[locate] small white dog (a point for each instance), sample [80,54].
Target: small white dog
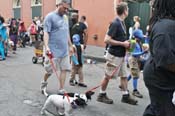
[10,45]
[65,103]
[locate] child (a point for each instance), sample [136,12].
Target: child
[134,59]
[77,62]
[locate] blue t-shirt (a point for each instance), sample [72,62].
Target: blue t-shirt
[58,29]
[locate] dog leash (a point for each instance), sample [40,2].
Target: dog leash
[67,97]
[50,56]
[113,72]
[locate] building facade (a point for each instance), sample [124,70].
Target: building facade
[26,9]
[99,13]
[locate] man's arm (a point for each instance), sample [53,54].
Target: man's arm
[46,41]
[110,41]
[85,38]
[70,46]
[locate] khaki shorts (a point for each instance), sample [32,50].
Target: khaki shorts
[134,67]
[59,63]
[115,64]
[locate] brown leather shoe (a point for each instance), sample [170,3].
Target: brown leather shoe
[129,100]
[102,97]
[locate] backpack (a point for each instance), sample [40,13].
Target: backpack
[33,30]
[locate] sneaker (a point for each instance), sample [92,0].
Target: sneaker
[82,85]
[61,92]
[137,94]
[71,82]
[43,87]
[102,97]
[128,99]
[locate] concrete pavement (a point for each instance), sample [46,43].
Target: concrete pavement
[95,53]
[20,88]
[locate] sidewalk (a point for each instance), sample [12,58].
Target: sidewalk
[94,53]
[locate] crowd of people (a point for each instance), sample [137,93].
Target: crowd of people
[15,34]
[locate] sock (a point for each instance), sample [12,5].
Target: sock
[101,91]
[125,92]
[129,78]
[62,91]
[135,80]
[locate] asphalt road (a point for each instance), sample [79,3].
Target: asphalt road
[20,89]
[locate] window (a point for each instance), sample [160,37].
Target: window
[16,3]
[36,3]
[57,1]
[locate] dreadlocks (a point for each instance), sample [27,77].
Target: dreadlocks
[162,9]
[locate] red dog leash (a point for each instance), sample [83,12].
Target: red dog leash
[113,72]
[50,56]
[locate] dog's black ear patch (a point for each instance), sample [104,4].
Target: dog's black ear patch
[80,102]
[89,94]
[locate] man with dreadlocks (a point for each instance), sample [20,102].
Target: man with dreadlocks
[159,71]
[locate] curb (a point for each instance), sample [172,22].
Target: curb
[98,59]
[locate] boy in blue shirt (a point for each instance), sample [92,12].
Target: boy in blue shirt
[77,62]
[134,59]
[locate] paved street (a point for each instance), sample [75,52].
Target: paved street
[20,89]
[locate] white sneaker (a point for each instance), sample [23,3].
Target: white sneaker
[43,85]
[61,91]
[43,88]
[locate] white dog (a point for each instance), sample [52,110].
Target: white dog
[65,103]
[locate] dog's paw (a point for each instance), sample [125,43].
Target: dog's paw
[61,114]
[43,113]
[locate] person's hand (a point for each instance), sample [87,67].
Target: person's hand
[49,53]
[47,50]
[84,46]
[126,44]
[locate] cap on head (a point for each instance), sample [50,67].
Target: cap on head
[138,33]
